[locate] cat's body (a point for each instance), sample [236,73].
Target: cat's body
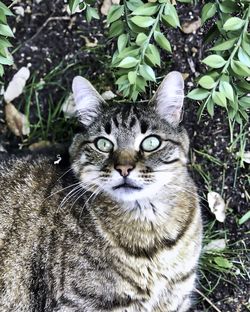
[126,239]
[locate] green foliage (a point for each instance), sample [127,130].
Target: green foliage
[137,27]
[86,6]
[228,66]
[5,32]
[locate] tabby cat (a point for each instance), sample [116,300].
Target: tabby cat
[122,232]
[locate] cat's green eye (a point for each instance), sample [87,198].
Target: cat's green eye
[104,145]
[151,143]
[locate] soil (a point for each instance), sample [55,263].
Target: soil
[47,37]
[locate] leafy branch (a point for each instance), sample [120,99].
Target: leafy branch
[5,32]
[138,28]
[224,84]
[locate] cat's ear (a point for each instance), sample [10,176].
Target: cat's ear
[168,99]
[87,100]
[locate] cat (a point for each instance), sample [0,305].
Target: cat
[122,230]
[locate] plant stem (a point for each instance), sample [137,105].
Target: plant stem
[147,42]
[225,67]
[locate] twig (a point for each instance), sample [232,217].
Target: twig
[206,298]
[51,18]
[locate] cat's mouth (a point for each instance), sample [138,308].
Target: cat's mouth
[126,185]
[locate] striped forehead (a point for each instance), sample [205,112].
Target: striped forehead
[127,120]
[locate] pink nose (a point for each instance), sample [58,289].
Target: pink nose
[124,170]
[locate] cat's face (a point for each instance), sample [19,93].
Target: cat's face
[129,151]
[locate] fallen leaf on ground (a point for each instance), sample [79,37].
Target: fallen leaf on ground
[107,4]
[217,206]
[215,245]
[246,157]
[90,44]
[191,27]
[69,107]
[16,85]
[39,145]
[108,95]
[16,121]
[2,149]
[19,10]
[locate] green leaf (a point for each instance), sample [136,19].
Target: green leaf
[73,4]
[198,94]
[132,77]
[116,29]
[210,107]
[5,61]
[5,9]
[233,23]
[214,61]
[226,45]
[208,11]
[223,262]
[170,15]
[147,9]
[228,7]
[134,4]
[129,51]
[6,31]
[227,90]
[240,69]
[143,21]
[152,55]
[1,70]
[4,43]
[115,12]
[3,18]
[244,85]
[244,57]
[147,72]
[128,62]
[121,79]
[141,38]
[246,44]
[140,84]
[91,13]
[245,102]
[244,218]
[122,42]
[162,41]
[219,98]
[207,82]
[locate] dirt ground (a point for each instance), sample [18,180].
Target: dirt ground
[47,37]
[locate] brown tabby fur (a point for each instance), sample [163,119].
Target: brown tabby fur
[96,253]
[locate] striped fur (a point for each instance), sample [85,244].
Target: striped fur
[75,243]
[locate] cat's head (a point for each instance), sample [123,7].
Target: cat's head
[130,151]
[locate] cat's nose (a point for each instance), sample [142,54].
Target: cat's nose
[124,170]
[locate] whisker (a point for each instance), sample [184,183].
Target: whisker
[71,185]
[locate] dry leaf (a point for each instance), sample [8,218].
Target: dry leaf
[16,121]
[107,4]
[108,95]
[2,149]
[19,10]
[216,245]
[246,157]
[69,107]
[217,205]
[39,145]
[191,27]
[90,44]
[16,85]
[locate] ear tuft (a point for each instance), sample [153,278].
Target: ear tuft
[169,98]
[87,100]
